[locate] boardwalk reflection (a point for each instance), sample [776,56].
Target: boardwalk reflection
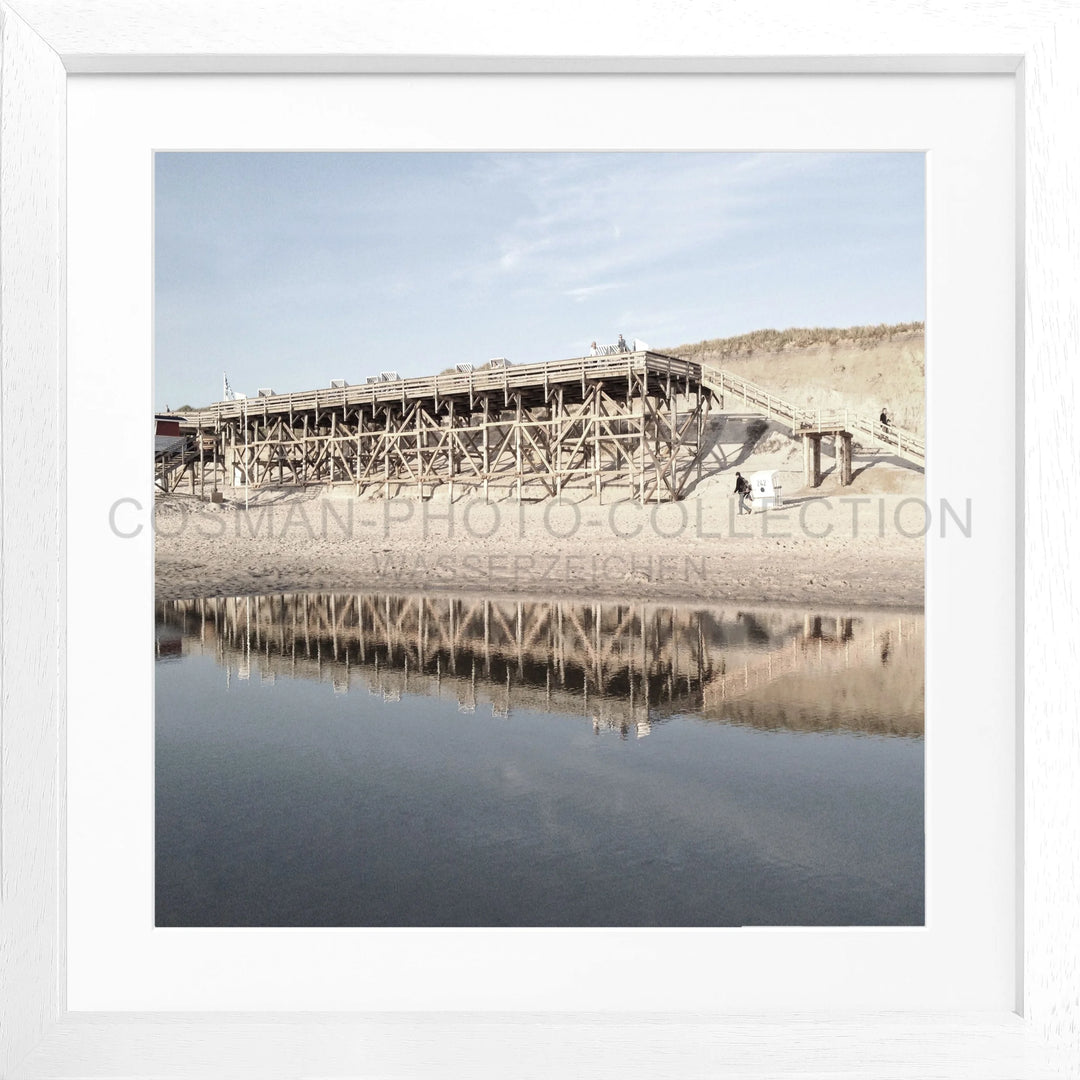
[624,666]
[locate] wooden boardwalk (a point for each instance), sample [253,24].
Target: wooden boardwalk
[631,420]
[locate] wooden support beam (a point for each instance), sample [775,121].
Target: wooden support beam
[486,435]
[359,434]
[843,454]
[517,445]
[386,457]
[559,434]
[673,442]
[452,452]
[333,441]
[596,441]
[811,459]
[420,470]
[641,445]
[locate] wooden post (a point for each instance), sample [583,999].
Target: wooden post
[304,454]
[641,439]
[386,457]
[812,459]
[452,456]
[596,441]
[517,442]
[674,443]
[419,450]
[700,434]
[486,444]
[241,449]
[333,442]
[843,453]
[656,457]
[228,464]
[558,433]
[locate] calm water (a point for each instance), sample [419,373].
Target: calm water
[380,760]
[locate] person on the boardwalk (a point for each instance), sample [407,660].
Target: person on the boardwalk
[742,489]
[622,344]
[884,419]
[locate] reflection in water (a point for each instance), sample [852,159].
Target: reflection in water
[625,666]
[283,804]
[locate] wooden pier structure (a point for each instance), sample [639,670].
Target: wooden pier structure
[623,666]
[634,422]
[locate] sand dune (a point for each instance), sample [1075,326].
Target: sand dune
[863,374]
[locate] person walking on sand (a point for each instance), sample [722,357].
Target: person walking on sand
[742,489]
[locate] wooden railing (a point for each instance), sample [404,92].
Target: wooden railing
[906,443]
[456,384]
[762,400]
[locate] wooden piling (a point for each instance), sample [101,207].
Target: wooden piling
[812,459]
[843,454]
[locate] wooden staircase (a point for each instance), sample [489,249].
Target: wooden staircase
[904,444]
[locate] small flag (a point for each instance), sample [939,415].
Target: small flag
[230,393]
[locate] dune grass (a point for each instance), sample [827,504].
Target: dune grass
[797,338]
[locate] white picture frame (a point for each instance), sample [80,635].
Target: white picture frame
[40,44]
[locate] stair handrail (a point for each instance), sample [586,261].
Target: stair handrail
[889,435]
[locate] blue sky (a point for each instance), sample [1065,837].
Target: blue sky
[289,270]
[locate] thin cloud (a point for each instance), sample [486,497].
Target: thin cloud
[597,216]
[586,291]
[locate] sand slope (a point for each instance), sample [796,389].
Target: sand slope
[863,374]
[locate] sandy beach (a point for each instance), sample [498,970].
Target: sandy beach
[841,546]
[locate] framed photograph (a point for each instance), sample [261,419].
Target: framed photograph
[923,917]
